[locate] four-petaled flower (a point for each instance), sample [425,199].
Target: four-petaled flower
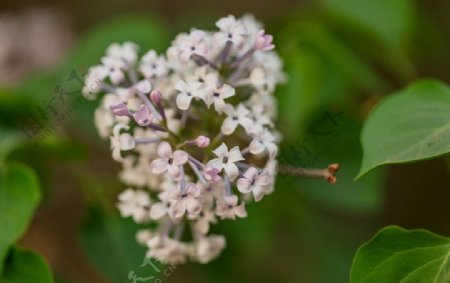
[187,92]
[217,96]
[235,116]
[230,31]
[168,161]
[226,159]
[135,204]
[228,208]
[184,199]
[254,182]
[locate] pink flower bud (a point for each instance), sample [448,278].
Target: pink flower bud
[202,141]
[211,173]
[264,41]
[119,109]
[156,96]
[143,117]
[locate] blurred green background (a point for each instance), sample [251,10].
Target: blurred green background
[341,58]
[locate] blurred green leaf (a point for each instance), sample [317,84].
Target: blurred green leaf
[109,241]
[399,255]
[312,85]
[322,72]
[388,20]
[19,196]
[24,266]
[410,125]
[9,140]
[389,25]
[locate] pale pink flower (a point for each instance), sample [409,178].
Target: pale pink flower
[168,161]
[226,159]
[228,208]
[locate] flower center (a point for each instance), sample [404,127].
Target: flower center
[225,159]
[170,161]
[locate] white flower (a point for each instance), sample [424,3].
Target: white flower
[203,220]
[160,209]
[135,204]
[171,110]
[191,44]
[185,199]
[226,159]
[207,77]
[211,191]
[167,250]
[153,65]
[94,81]
[217,96]
[235,116]
[262,139]
[230,30]
[168,161]
[120,141]
[254,182]
[187,92]
[208,248]
[116,68]
[229,209]
[127,52]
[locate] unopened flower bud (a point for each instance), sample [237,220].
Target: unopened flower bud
[156,96]
[143,117]
[202,141]
[211,173]
[264,41]
[119,109]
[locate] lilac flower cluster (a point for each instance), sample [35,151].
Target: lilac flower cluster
[193,130]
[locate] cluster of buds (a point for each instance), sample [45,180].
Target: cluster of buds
[193,130]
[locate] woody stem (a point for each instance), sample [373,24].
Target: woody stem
[327,173]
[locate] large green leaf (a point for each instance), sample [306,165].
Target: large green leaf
[19,196]
[410,125]
[109,241]
[23,266]
[399,255]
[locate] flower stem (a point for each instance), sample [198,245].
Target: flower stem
[327,173]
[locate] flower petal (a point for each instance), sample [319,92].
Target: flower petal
[243,185]
[192,205]
[232,170]
[228,126]
[240,210]
[178,209]
[158,166]
[158,210]
[180,157]
[164,150]
[184,101]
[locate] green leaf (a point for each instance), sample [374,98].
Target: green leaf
[19,196]
[109,241]
[386,25]
[399,255]
[24,266]
[410,125]
[388,20]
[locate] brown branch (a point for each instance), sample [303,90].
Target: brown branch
[327,173]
